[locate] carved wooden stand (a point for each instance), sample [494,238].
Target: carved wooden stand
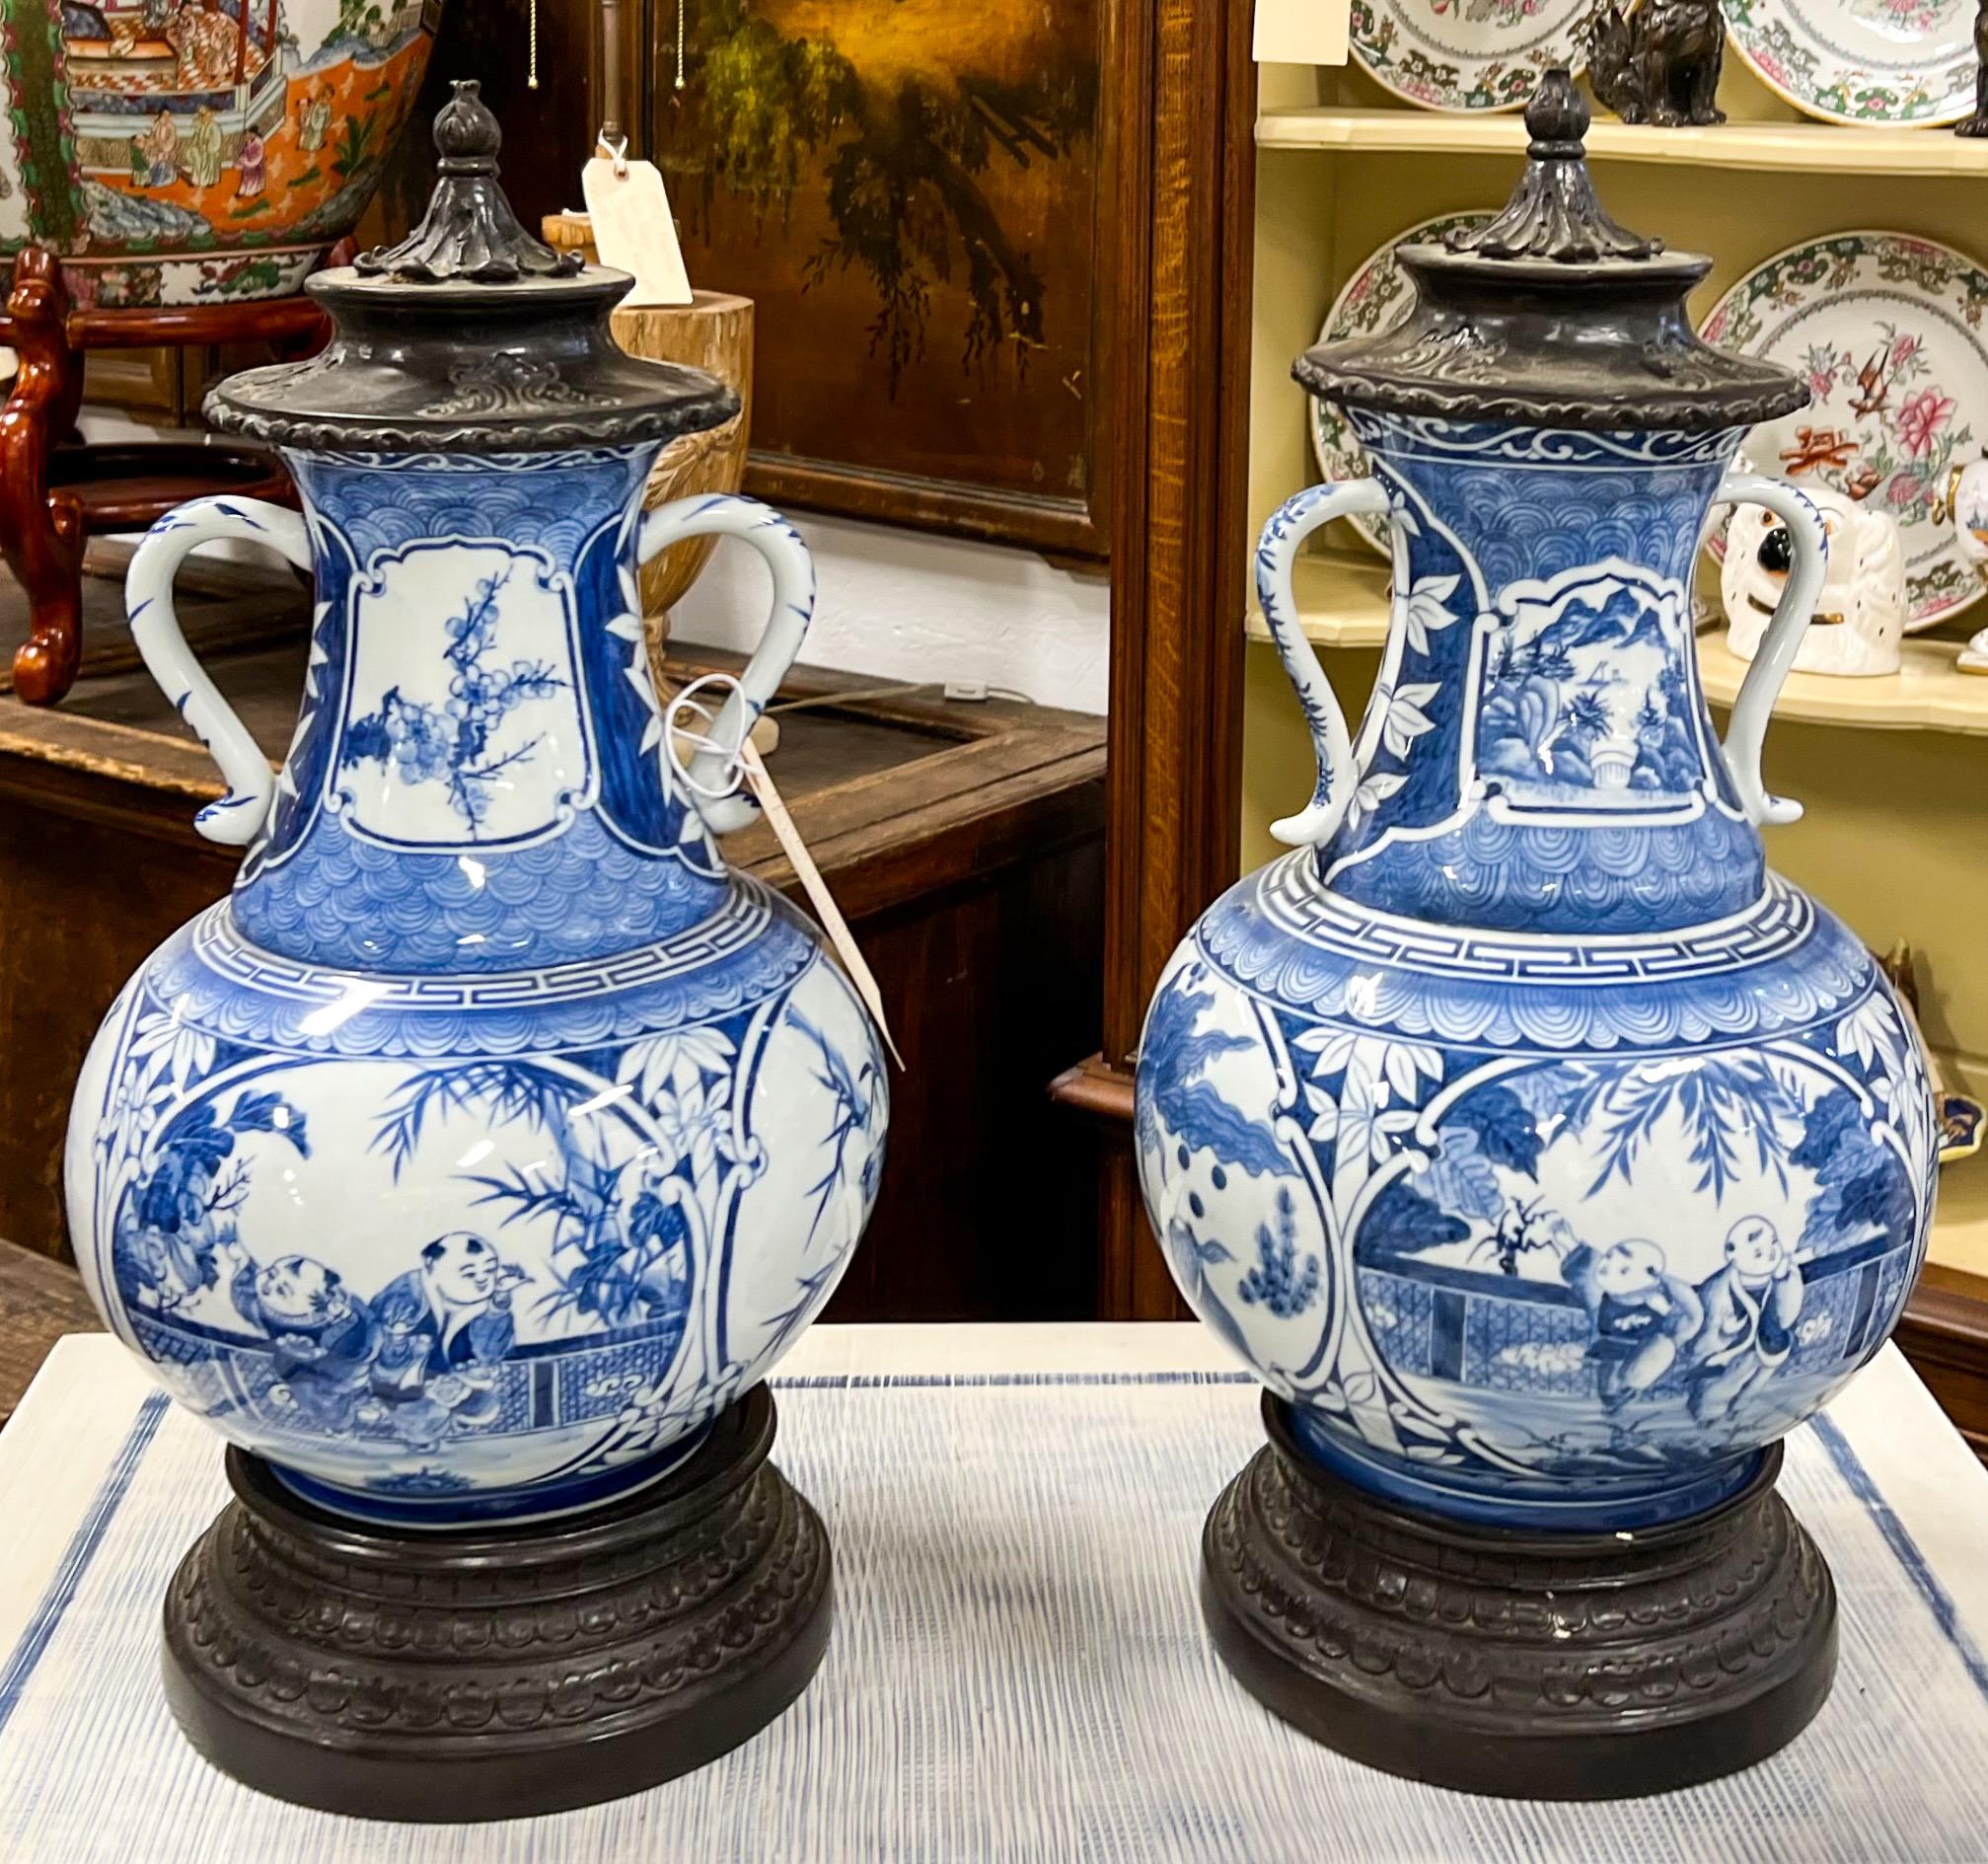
[1567,1666]
[481,1675]
[55,493]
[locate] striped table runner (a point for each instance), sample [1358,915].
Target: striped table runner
[1019,1670]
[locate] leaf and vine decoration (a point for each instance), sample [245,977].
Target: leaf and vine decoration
[1727,1105]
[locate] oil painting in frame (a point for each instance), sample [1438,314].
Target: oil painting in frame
[915,195]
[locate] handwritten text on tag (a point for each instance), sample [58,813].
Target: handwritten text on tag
[633,231]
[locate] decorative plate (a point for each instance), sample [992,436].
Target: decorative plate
[1375,299]
[1473,54]
[1862,61]
[1888,331]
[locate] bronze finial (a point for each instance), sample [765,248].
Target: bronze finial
[468,231]
[1554,212]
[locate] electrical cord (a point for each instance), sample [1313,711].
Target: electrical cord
[855,693]
[961,692]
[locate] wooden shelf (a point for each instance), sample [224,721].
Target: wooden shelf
[1928,692]
[1342,600]
[1807,148]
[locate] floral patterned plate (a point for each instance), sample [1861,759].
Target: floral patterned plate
[1375,299]
[1862,61]
[1888,331]
[1471,54]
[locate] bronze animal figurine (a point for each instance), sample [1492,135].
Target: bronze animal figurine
[1977,123]
[1661,63]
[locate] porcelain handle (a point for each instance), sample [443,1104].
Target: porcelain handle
[1275,556]
[776,540]
[237,818]
[1747,733]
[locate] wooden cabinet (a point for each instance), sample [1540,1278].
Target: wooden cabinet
[159,385]
[964,843]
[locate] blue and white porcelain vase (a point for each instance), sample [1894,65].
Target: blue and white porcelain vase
[1550,1156]
[493,1136]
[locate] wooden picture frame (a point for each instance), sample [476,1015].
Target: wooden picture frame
[995,508]
[1183,86]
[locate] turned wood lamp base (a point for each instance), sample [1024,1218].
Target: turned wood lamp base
[1530,1666]
[56,493]
[500,1674]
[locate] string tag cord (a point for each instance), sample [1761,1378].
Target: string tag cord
[744,765]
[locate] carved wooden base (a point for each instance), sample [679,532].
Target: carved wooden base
[1534,1667]
[461,1676]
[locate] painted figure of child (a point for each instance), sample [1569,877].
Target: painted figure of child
[1642,1314]
[1750,1305]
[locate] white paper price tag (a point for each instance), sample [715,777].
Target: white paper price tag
[1302,32]
[634,230]
[817,889]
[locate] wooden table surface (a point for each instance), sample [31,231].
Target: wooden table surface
[40,1300]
